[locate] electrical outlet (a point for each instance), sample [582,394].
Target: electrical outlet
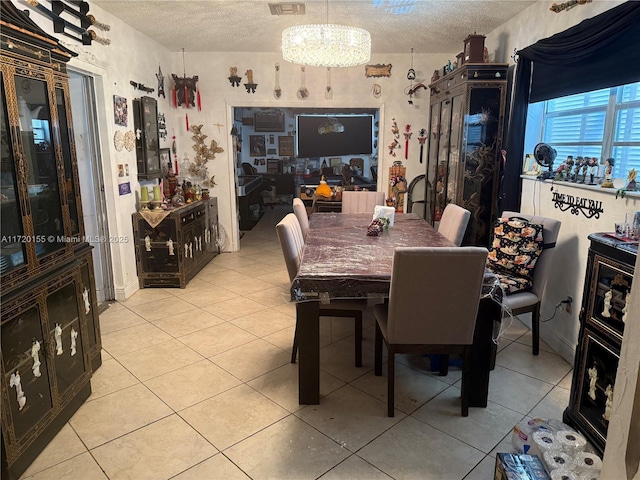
[567,304]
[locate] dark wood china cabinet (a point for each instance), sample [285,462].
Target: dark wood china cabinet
[465,139]
[50,335]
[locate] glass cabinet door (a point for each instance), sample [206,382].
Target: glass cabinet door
[40,164]
[12,247]
[70,184]
[442,168]
[454,177]
[432,164]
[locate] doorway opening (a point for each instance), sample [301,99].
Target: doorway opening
[85,122]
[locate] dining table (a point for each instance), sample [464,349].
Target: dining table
[340,261]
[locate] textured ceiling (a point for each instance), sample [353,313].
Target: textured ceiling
[396,26]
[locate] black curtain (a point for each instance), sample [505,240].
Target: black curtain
[599,52]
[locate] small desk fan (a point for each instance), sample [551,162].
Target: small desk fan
[545,155]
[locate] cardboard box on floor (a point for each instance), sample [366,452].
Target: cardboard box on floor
[512,466]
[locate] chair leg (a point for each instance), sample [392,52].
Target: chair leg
[378,351]
[391,376]
[358,325]
[535,328]
[466,371]
[294,349]
[444,365]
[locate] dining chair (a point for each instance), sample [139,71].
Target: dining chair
[454,223]
[530,301]
[301,214]
[361,202]
[428,311]
[292,244]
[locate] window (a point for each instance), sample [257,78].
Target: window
[602,123]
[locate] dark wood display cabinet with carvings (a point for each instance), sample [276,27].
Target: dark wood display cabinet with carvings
[465,139]
[145,122]
[50,334]
[171,252]
[607,286]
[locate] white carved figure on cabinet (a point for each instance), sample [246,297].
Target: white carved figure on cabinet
[147,243]
[35,354]
[74,335]
[170,245]
[15,381]
[87,303]
[593,378]
[627,299]
[207,235]
[607,304]
[608,403]
[58,336]
[191,250]
[186,251]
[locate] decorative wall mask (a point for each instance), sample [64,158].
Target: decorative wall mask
[185,90]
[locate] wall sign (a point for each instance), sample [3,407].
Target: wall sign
[589,208]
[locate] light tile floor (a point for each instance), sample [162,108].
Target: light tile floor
[196,384]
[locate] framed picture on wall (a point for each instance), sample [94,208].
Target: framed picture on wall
[285,146]
[120,110]
[257,146]
[165,157]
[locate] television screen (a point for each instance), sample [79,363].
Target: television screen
[334,135]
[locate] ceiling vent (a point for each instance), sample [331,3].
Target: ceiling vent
[287,8]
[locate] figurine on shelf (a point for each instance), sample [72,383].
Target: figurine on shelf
[576,170]
[585,167]
[593,169]
[563,172]
[170,245]
[631,180]
[607,181]
[147,243]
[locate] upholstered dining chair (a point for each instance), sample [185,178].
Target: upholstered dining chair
[361,202]
[438,319]
[529,301]
[292,244]
[301,214]
[454,223]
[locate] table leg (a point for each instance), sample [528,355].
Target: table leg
[488,311]
[308,314]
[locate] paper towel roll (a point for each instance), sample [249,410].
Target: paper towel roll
[545,441]
[557,459]
[563,474]
[593,475]
[380,211]
[571,441]
[587,461]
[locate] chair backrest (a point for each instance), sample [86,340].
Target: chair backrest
[248,169]
[454,222]
[291,242]
[550,231]
[361,202]
[434,294]
[301,214]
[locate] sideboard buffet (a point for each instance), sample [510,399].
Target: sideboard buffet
[171,247]
[607,286]
[50,334]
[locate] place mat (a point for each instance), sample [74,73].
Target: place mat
[620,237]
[154,217]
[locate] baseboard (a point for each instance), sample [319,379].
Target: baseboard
[122,293]
[560,345]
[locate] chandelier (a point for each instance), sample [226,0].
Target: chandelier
[326,45]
